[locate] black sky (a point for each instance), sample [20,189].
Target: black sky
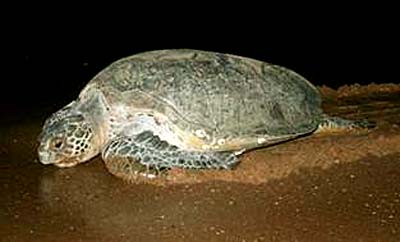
[50,65]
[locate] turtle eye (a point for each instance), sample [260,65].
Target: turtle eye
[57,143]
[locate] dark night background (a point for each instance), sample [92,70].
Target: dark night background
[50,64]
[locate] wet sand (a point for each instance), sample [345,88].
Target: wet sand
[324,187]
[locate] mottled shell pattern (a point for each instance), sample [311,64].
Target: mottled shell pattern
[212,101]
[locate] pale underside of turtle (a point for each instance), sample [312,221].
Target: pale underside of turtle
[182,108]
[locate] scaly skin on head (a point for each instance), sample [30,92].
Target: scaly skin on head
[68,138]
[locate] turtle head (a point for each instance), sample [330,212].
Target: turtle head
[67,139]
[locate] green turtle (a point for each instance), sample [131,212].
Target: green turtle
[182,108]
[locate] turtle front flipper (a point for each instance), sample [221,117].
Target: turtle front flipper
[329,124]
[145,153]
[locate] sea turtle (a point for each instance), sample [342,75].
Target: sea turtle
[182,108]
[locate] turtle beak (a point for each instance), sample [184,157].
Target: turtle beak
[50,159]
[66,163]
[45,158]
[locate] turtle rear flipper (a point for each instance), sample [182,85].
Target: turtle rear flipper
[146,153]
[330,124]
